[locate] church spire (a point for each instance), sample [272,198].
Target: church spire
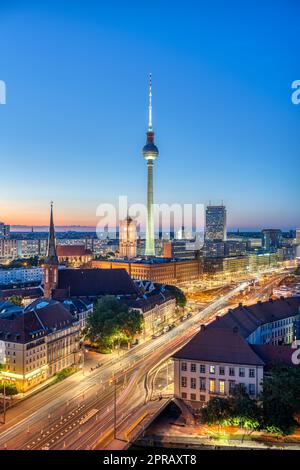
[51,250]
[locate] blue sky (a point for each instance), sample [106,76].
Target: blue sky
[76,114]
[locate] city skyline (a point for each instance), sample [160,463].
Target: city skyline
[220,123]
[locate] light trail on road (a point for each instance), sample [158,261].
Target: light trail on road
[70,403]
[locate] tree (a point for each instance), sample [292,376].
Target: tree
[10,389]
[16,300]
[236,410]
[112,322]
[281,399]
[179,295]
[217,411]
[246,412]
[297,271]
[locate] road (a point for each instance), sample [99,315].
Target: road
[79,413]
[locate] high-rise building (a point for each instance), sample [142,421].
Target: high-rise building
[150,153]
[128,238]
[4,230]
[271,239]
[215,223]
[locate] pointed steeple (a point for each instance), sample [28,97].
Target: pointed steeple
[51,250]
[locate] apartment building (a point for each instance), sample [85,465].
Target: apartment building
[37,342]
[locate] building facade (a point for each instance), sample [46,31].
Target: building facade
[4,230]
[74,255]
[215,223]
[158,310]
[271,239]
[20,275]
[160,270]
[38,342]
[128,238]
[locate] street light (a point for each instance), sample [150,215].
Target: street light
[114,381]
[4,400]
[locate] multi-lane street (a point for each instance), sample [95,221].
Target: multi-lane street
[101,409]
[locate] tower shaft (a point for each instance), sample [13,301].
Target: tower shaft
[150,245]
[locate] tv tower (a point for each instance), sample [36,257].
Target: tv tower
[150,153]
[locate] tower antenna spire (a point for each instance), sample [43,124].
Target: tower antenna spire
[150,103]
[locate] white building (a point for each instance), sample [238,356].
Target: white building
[232,349]
[20,275]
[212,363]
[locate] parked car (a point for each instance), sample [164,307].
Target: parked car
[157,335]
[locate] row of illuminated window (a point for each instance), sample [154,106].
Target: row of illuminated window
[35,350]
[35,366]
[212,369]
[213,385]
[278,323]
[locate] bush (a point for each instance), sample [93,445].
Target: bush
[64,373]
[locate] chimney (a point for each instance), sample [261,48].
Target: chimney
[240,304]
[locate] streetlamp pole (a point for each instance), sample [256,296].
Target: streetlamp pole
[115,408]
[4,402]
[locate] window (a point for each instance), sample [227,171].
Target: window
[202,384]
[231,385]
[231,371]
[212,385]
[193,382]
[193,367]
[183,381]
[183,395]
[193,396]
[242,372]
[183,366]
[252,389]
[222,386]
[202,397]
[202,369]
[212,369]
[251,372]
[222,370]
